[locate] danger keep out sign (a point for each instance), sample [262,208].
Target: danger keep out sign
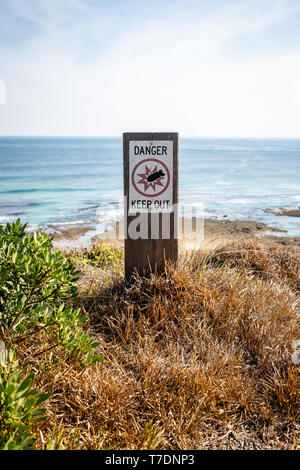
[150,176]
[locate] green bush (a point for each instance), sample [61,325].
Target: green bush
[36,290]
[101,256]
[19,406]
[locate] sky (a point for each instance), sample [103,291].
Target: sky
[207,68]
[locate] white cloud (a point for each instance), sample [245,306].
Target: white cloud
[190,32]
[46,13]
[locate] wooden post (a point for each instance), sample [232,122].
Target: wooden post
[151,201]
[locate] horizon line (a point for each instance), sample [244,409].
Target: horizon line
[120,136]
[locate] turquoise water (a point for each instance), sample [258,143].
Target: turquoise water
[63,180]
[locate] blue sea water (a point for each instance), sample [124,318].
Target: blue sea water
[63,180]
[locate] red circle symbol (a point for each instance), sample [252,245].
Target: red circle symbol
[148,172]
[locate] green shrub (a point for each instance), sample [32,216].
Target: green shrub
[19,406]
[101,256]
[36,290]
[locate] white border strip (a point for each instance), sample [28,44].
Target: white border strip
[2,92]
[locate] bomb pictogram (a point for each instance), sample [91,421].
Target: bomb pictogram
[150,177]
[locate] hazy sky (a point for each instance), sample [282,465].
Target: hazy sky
[102,67]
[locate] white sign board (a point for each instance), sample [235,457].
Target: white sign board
[150,176]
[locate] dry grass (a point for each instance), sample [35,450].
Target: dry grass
[199,358]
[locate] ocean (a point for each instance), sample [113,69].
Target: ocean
[64,181]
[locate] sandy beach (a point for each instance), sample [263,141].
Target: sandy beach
[216,233]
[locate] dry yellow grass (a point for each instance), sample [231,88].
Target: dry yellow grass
[199,358]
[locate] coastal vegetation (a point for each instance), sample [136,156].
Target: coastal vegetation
[37,294]
[102,256]
[200,357]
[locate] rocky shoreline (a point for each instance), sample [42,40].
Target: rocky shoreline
[287,212]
